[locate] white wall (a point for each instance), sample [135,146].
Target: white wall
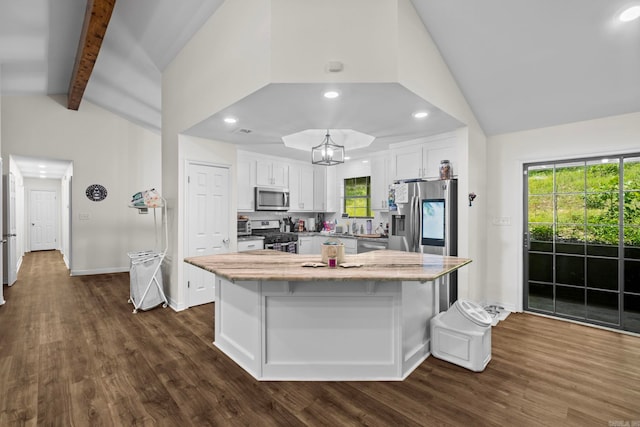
[105,149]
[209,152]
[422,70]
[506,155]
[305,35]
[226,60]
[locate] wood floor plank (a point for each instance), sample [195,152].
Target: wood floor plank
[73,353]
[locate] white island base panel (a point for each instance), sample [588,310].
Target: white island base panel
[325,330]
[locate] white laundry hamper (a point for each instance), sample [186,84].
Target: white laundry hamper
[145,277]
[462,335]
[145,271]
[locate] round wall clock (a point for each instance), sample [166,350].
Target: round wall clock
[96,192]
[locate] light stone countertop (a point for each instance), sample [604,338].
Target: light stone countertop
[382,265]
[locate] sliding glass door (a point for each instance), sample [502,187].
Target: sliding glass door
[582,240]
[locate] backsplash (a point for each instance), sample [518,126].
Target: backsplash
[379,217]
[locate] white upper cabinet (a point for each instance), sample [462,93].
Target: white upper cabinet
[246,179]
[380,182]
[325,195]
[301,188]
[270,173]
[422,160]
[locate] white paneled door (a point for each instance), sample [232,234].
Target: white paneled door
[207,216]
[43,216]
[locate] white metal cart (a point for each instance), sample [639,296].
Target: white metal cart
[145,272]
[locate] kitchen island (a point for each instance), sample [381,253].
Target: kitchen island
[281,321]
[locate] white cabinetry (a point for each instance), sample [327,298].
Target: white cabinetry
[317,244]
[350,246]
[380,182]
[423,160]
[325,197]
[301,188]
[246,179]
[272,173]
[250,245]
[305,245]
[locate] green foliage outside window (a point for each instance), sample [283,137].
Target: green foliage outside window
[582,201]
[357,197]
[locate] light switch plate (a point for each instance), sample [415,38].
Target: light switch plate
[501,221]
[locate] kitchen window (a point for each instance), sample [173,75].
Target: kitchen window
[357,197]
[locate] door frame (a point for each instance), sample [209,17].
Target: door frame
[185,241]
[10,233]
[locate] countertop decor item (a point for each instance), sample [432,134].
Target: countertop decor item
[328,153]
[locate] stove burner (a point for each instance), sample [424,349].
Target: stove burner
[280,238]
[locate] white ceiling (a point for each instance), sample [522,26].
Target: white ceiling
[521,64]
[33,167]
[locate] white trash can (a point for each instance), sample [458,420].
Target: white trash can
[462,335]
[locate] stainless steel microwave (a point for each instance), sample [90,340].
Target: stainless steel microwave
[272,199]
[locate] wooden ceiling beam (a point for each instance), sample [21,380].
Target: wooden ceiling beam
[96,20]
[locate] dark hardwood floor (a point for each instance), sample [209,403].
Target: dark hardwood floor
[73,354]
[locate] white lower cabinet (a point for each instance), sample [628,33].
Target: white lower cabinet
[305,245]
[250,245]
[350,246]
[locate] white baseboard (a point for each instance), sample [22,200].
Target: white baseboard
[100,271]
[175,306]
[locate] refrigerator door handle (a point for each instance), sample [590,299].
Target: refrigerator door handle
[416,224]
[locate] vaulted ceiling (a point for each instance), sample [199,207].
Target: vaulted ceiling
[521,64]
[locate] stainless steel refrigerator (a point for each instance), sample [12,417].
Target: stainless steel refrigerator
[425,220]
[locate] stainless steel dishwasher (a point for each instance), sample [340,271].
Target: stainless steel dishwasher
[366,245]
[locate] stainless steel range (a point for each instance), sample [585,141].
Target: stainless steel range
[273,237]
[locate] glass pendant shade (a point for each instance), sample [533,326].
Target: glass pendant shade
[328,153]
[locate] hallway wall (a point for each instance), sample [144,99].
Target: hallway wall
[105,149]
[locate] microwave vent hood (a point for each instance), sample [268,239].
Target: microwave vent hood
[271,199]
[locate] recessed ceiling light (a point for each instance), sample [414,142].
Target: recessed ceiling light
[42,166]
[365,161]
[420,114]
[630,14]
[347,158]
[331,94]
[230,120]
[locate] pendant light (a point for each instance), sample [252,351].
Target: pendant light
[328,153]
